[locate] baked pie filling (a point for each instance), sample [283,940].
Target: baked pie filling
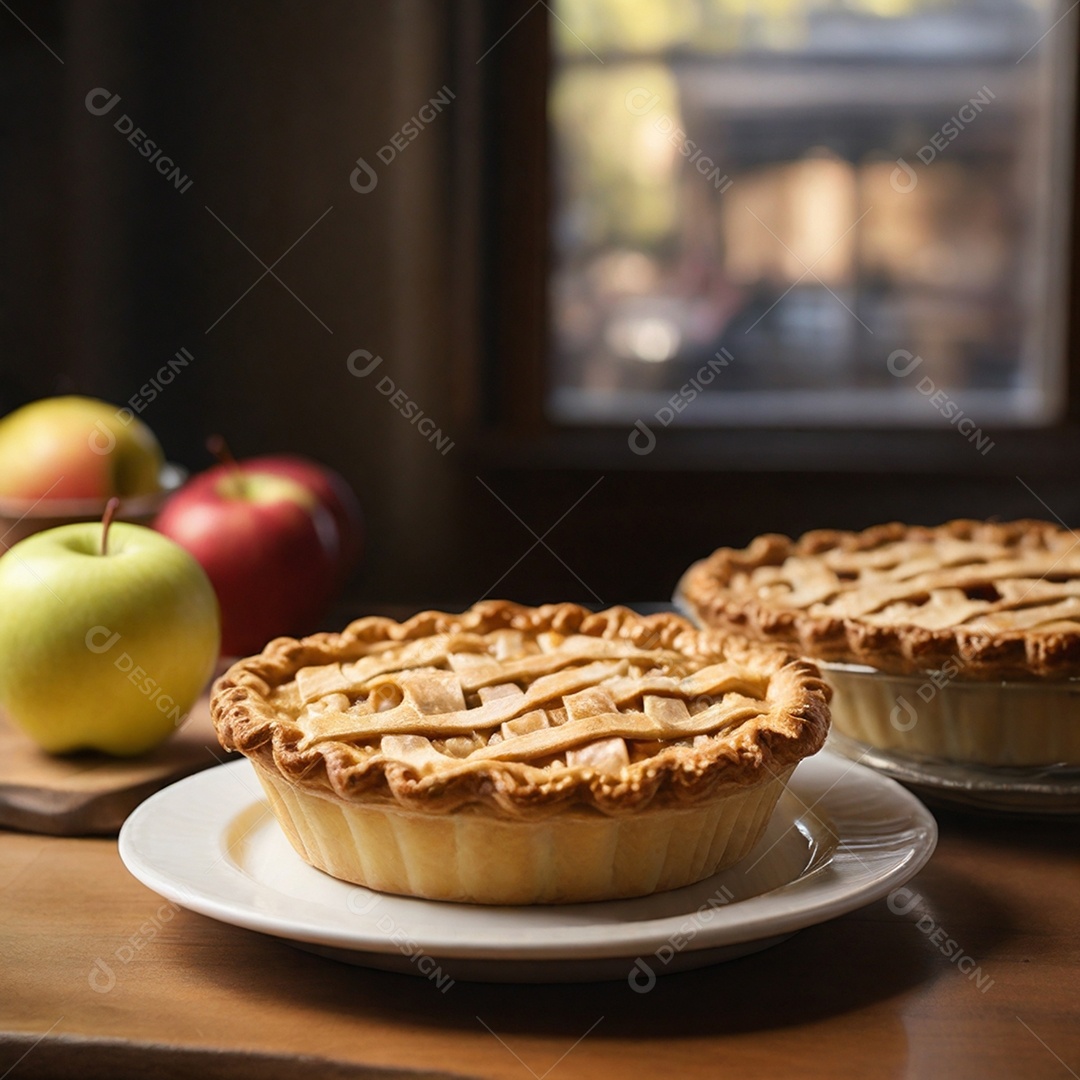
[522,755]
[961,639]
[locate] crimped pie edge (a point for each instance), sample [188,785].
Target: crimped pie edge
[795,726]
[900,649]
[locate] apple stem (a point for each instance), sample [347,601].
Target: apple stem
[110,512]
[217,446]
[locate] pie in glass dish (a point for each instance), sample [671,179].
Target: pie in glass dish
[958,643]
[519,755]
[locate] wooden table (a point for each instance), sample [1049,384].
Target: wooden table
[867,995]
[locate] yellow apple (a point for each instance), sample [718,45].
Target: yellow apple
[103,649]
[76,448]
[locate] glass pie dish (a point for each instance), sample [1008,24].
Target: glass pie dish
[1003,723]
[992,745]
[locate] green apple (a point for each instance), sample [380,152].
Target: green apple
[108,634]
[76,448]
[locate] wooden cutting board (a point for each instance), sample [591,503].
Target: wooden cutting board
[90,794]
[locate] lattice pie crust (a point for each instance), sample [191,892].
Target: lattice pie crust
[971,629]
[522,755]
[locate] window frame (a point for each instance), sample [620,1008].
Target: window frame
[513,198]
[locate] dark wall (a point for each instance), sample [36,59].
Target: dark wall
[106,270]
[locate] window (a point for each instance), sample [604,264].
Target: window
[809,212]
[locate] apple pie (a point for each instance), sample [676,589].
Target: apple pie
[517,755]
[959,642]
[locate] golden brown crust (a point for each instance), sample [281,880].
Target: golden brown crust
[792,725]
[1009,571]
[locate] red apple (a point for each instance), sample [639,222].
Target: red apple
[268,545]
[331,489]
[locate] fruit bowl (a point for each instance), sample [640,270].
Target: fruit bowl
[20,518]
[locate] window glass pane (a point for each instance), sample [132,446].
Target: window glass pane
[810,212]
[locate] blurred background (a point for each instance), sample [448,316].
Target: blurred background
[571,292]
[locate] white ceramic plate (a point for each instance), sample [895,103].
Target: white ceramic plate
[842,836]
